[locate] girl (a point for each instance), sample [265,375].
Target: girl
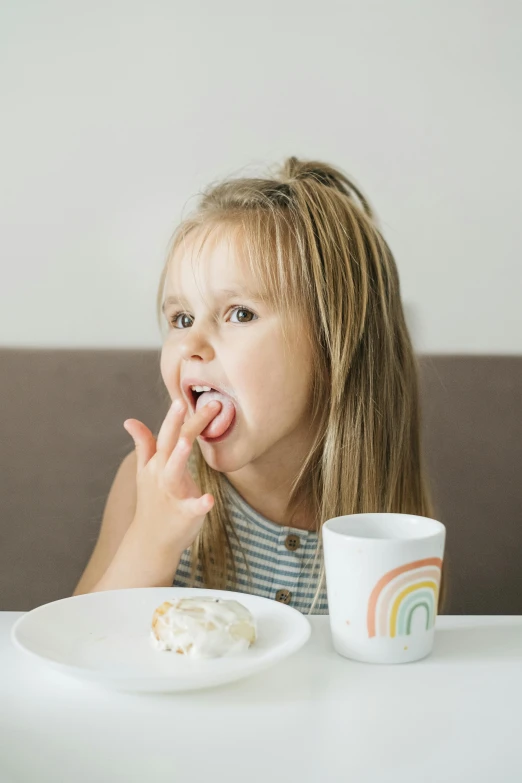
[294,388]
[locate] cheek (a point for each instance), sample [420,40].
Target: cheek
[168,371]
[270,362]
[271,391]
[164,367]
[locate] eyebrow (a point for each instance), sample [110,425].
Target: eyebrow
[225,293]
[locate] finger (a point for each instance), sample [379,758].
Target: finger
[197,507]
[144,441]
[200,420]
[177,463]
[170,429]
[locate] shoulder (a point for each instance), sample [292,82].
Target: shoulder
[123,490]
[126,474]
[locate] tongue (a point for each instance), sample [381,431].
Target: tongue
[222,421]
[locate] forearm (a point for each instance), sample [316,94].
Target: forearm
[138,564]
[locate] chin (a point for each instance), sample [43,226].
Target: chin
[218,460]
[222,458]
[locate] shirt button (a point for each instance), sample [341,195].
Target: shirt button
[284,596]
[292,542]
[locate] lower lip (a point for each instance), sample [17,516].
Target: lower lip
[221,437]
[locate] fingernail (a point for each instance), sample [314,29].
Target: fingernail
[177,404]
[213,405]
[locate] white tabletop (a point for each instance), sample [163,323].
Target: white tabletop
[455,716]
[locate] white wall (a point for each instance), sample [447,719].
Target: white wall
[115,113]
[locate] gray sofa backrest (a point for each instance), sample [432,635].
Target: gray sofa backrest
[62,440]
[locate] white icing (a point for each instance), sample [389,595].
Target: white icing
[184,626]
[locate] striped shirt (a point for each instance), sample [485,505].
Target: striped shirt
[280,558]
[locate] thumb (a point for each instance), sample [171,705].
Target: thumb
[144,441]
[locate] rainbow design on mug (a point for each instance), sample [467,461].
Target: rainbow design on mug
[402,592]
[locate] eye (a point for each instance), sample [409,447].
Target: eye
[243,310]
[244,315]
[173,319]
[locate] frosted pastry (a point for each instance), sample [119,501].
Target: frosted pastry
[203,627]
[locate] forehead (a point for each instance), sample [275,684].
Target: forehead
[212,261]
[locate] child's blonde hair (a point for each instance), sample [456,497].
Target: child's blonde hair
[310,239]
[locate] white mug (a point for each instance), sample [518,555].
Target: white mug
[383,575]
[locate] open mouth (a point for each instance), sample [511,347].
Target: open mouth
[195,395]
[223,422]
[229,430]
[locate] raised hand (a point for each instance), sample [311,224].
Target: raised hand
[170,509]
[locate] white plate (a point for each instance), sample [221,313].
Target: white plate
[103,637]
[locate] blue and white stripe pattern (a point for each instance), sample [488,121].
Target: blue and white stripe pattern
[272,565]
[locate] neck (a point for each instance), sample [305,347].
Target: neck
[271,502]
[266,488]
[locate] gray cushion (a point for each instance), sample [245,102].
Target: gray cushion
[62,440]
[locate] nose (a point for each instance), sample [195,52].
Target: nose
[195,346]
